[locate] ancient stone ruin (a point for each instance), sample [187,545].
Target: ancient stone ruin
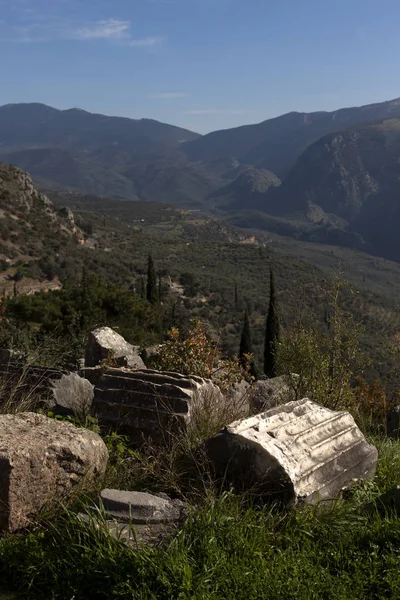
[148,403]
[106,344]
[299,451]
[42,459]
[137,517]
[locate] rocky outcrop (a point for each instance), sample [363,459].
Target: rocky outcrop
[41,460]
[149,403]
[299,451]
[105,343]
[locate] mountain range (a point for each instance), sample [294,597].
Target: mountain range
[330,177]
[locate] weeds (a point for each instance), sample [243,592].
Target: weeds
[225,550]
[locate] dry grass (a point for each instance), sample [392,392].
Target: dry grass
[176,463]
[17,394]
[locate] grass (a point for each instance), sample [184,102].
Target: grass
[228,548]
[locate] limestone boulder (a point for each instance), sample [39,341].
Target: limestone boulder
[41,460]
[299,451]
[105,343]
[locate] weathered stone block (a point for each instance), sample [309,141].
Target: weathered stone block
[140,507]
[148,403]
[72,393]
[41,460]
[105,343]
[299,451]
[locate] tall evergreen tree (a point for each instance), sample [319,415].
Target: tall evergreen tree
[142,283]
[236,296]
[152,293]
[271,332]
[245,340]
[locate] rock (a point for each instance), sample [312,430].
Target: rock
[393,422]
[137,517]
[299,451]
[140,507]
[150,404]
[106,343]
[74,394]
[28,385]
[267,393]
[47,388]
[42,459]
[238,397]
[148,353]
[93,374]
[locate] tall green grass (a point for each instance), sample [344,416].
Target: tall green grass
[227,549]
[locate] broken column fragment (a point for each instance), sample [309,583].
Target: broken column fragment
[149,404]
[299,451]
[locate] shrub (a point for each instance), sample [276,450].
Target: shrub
[325,361]
[196,354]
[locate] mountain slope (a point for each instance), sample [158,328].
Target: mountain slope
[246,190]
[277,143]
[32,233]
[55,167]
[38,125]
[349,182]
[109,156]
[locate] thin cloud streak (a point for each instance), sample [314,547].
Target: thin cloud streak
[110,30]
[102,30]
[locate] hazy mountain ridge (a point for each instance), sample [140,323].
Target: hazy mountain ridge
[277,143]
[342,189]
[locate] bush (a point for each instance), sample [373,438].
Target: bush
[197,354]
[325,361]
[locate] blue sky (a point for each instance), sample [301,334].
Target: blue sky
[200,64]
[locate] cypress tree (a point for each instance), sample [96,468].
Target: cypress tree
[271,332]
[152,294]
[245,340]
[142,288]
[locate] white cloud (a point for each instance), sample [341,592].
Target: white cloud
[168,96]
[111,30]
